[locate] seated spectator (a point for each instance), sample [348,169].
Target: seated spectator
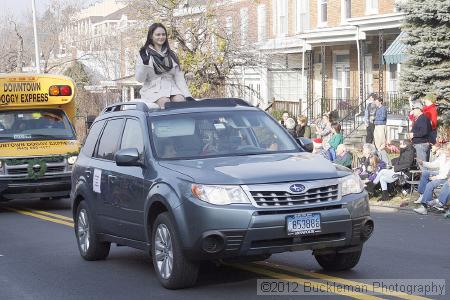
[383,155]
[444,197]
[400,164]
[369,151]
[290,126]
[336,139]
[343,156]
[323,131]
[432,179]
[318,148]
[284,117]
[376,165]
[302,129]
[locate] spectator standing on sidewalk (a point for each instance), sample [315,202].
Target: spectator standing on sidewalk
[430,111]
[380,123]
[369,117]
[420,134]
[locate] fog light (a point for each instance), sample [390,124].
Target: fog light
[213,243]
[71,160]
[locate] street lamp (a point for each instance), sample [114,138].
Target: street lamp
[36,46]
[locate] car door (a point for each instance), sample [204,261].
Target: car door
[103,178]
[128,192]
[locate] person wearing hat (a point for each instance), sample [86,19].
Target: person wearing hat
[369,117]
[420,134]
[318,148]
[379,133]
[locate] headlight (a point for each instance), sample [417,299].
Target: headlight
[351,184]
[219,194]
[71,160]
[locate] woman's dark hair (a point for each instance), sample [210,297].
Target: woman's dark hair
[336,127]
[149,40]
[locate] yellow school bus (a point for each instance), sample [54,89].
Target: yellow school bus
[38,144]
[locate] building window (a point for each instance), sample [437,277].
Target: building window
[281,13]
[302,15]
[341,76]
[393,78]
[287,85]
[323,13]
[261,22]
[371,7]
[346,10]
[244,25]
[229,25]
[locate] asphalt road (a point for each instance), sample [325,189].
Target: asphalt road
[39,259]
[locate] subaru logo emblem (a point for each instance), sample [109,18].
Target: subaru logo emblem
[297,188]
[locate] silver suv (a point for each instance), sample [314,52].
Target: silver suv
[211,180]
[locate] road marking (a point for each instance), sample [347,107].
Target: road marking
[336,279]
[42,217]
[62,217]
[301,281]
[257,268]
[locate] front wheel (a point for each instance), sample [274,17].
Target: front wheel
[339,261]
[88,243]
[173,269]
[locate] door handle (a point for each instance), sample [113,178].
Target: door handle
[112,178]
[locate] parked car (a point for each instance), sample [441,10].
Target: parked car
[215,179]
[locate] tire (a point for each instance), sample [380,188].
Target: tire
[339,261]
[166,252]
[88,243]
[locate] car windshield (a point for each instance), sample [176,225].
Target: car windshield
[35,124]
[215,134]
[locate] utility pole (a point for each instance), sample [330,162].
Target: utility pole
[36,46]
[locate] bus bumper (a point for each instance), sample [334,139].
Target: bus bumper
[20,188]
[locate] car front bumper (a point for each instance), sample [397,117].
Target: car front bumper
[212,232]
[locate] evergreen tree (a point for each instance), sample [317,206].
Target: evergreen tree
[427,70]
[77,72]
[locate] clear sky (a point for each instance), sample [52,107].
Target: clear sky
[19,8]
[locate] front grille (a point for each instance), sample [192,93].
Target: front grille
[282,198]
[24,171]
[296,211]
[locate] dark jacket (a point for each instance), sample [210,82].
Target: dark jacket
[302,131]
[421,130]
[380,115]
[406,159]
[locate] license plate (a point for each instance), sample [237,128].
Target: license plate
[306,223]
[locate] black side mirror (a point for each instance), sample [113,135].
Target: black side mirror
[306,144]
[128,157]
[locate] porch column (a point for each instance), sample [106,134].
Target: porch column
[380,63]
[310,84]
[131,93]
[324,79]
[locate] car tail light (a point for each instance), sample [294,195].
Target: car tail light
[60,90]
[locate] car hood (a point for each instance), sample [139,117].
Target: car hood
[255,169]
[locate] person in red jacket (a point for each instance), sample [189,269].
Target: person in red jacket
[430,111]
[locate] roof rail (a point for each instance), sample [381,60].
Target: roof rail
[140,106]
[214,102]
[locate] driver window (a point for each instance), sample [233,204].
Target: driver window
[132,136]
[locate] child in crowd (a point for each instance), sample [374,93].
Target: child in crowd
[336,139]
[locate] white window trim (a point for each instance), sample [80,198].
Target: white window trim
[262,22]
[229,25]
[319,15]
[244,25]
[344,12]
[278,15]
[335,53]
[298,17]
[372,10]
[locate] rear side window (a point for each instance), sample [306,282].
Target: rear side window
[109,141]
[92,138]
[132,136]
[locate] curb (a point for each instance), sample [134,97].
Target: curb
[382,208]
